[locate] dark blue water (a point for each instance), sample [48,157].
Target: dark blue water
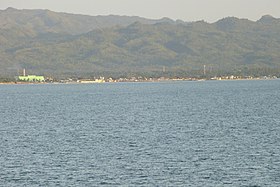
[212,133]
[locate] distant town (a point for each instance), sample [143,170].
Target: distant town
[160,79]
[39,79]
[34,79]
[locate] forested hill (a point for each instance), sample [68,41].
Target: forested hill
[50,43]
[43,21]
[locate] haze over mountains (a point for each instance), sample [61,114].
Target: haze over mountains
[50,43]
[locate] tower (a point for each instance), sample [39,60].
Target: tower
[204,70]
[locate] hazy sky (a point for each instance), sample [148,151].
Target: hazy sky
[187,10]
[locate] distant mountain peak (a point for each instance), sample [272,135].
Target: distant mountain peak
[10,9]
[227,23]
[267,19]
[228,19]
[267,16]
[233,23]
[166,19]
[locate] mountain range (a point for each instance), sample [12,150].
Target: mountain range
[61,44]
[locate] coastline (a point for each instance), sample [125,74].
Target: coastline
[164,80]
[21,83]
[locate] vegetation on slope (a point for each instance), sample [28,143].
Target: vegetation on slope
[54,44]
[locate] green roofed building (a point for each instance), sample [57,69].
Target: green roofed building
[31,78]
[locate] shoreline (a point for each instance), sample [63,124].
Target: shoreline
[22,83]
[167,80]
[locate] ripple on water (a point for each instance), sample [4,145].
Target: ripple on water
[147,134]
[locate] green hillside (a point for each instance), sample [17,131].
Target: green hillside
[67,45]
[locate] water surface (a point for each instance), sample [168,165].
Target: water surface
[211,133]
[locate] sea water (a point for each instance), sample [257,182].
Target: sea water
[210,133]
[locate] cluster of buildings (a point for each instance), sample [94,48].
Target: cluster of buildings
[39,79]
[232,77]
[30,78]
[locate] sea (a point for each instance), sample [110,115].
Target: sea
[182,133]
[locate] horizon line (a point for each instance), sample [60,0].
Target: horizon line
[164,17]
